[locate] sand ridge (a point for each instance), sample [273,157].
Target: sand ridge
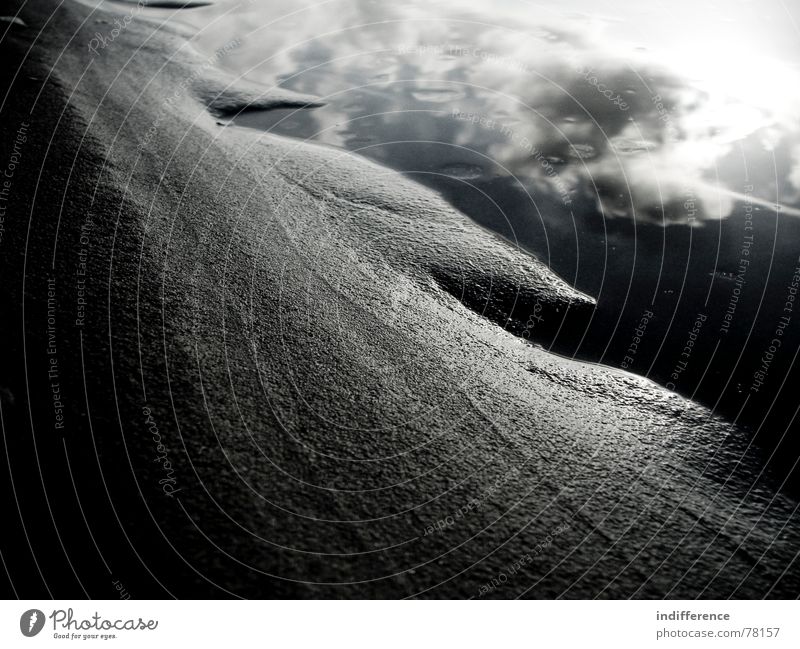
[316,343]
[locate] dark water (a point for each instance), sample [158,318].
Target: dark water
[652,161]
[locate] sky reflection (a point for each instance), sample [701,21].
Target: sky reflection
[638,109]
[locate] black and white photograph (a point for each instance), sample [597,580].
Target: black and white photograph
[426,299]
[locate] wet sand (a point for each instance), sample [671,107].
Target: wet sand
[241,366]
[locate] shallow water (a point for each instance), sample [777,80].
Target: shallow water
[651,158]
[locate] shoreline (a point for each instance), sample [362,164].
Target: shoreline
[243,291]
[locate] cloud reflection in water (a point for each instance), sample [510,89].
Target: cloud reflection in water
[636,130]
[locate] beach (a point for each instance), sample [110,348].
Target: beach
[239,365]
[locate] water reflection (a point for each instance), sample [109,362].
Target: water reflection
[545,83]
